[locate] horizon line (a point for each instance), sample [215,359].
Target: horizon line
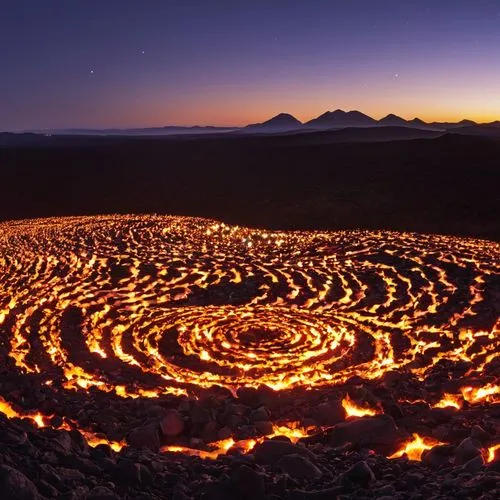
[241,125]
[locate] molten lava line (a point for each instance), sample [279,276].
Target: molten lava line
[413,449]
[184,304]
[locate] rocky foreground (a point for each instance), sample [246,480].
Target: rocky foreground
[339,457]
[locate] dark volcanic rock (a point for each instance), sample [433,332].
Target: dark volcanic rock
[478,433]
[270,451]
[68,476]
[360,473]
[128,472]
[145,437]
[466,451]
[298,467]
[248,482]
[438,456]
[264,427]
[254,398]
[474,464]
[12,436]
[198,414]
[171,424]
[101,493]
[329,413]
[379,431]
[259,415]
[14,485]
[326,494]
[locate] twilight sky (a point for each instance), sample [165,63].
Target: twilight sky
[124,63]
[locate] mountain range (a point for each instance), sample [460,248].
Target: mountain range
[287,123]
[339,119]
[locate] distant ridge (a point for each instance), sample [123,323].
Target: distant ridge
[279,123]
[393,120]
[341,119]
[285,123]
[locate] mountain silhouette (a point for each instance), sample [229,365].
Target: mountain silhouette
[279,123]
[285,123]
[452,125]
[341,119]
[393,120]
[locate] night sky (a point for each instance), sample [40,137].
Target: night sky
[125,63]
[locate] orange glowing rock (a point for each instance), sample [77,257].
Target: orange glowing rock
[354,410]
[292,430]
[8,410]
[413,449]
[93,440]
[217,448]
[490,393]
[449,401]
[40,421]
[492,453]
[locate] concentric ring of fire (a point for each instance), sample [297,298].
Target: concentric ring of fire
[193,303]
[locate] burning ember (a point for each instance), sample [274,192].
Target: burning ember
[179,317]
[414,448]
[353,410]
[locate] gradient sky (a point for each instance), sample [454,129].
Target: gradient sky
[125,63]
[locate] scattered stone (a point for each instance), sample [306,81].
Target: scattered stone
[376,432]
[101,493]
[254,398]
[248,482]
[479,434]
[259,415]
[298,467]
[198,414]
[360,473]
[474,464]
[156,411]
[270,451]
[329,413]
[63,439]
[438,456]
[145,437]
[69,476]
[171,424]
[465,451]
[14,485]
[264,427]
[128,472]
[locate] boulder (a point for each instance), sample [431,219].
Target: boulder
[145,437]
[249,483]
[101,493]
[378,432]
[272,450]
[329,413]
[466,451]
[259,415]
[298,467]
[14,485]
[360,473]
[474,465]
[198,414]
[254,398]
[171,424]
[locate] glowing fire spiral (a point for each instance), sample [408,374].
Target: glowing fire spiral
[187,303]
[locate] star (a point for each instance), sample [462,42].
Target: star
[91,71]
[142,51]
[396,75]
